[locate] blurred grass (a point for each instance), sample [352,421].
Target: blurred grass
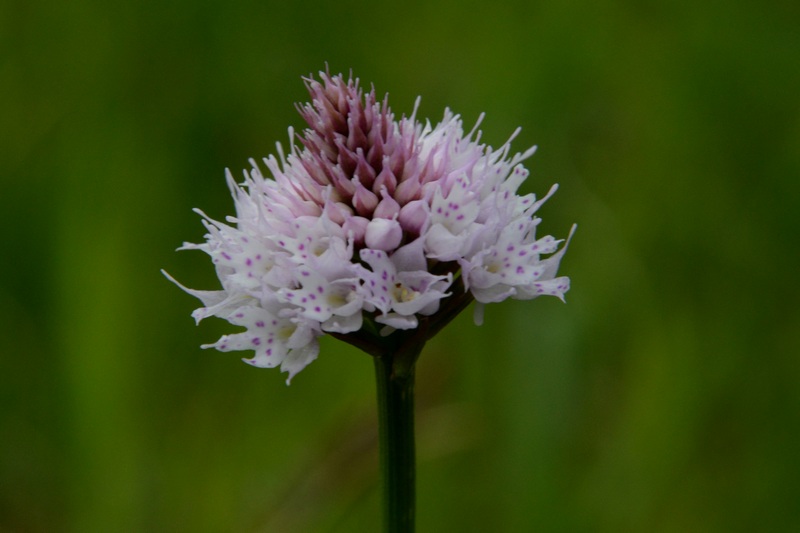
[663,397]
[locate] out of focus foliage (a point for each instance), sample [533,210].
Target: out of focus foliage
[665,396]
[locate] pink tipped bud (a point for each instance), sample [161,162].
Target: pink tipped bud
[408,190]
[388,207]
[338,212]
[357,226]
[364,200]
[414,217]
[385,179]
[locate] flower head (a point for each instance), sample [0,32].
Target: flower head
[372,223]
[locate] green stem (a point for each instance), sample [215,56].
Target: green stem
[396,443]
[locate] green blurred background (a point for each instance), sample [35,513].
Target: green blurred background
[665,396]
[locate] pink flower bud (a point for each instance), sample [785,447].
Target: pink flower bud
[364,200]
[388,207]
[408,190]
[385,179]
[414,217]
[383,234]
[358,227]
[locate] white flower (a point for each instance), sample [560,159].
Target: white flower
[371,219]
[399,287]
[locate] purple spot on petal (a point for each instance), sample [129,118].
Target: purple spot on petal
[260,324]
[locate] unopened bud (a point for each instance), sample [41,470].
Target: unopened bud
[383,234]
[414,217]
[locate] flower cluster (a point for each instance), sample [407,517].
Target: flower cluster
[371,221]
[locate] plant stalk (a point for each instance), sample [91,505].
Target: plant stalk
[396,442]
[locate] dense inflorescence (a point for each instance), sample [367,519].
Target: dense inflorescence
[371,220]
